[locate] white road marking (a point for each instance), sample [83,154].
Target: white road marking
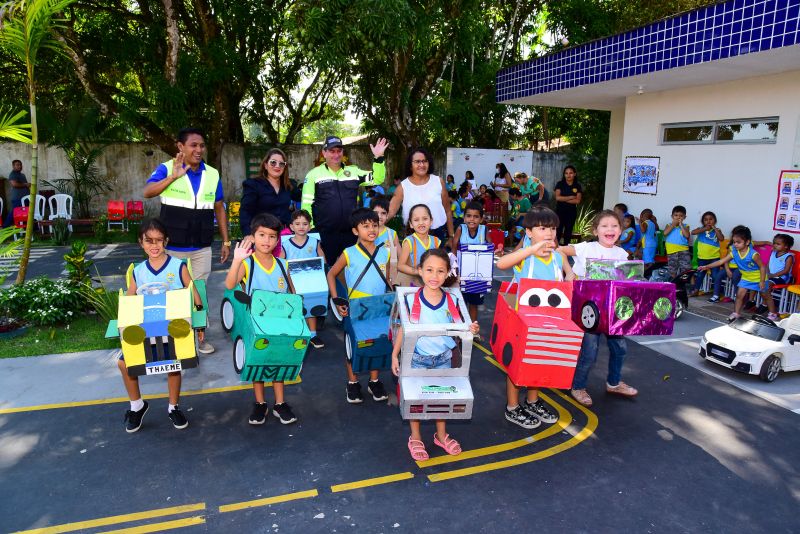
[668,340]
[105,251]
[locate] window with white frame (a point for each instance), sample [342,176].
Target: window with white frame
[758,130]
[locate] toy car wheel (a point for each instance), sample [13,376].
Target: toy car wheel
[770,369]
[679,308]
[238,355]
[226,314]
[348,348]
[590,316]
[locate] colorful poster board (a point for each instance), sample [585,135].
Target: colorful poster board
[641,175]
[787,203]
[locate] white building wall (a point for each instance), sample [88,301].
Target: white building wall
[616,131]
[737,182]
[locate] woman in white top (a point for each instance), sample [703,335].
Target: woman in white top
[423,187]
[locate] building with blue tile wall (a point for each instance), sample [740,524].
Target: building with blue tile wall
[733,60]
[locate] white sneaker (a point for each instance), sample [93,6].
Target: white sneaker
[205,348]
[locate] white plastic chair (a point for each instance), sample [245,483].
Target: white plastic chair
[60,206]
[38,209]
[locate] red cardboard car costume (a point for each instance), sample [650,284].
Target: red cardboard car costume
[533,336]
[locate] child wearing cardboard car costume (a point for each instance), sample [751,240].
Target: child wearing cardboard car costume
[435,307]
[254,266]
[539,259]
[472,232]
[300,246]
[158,267]
[607,227]
[366,270]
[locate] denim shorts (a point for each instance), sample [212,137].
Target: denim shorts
[439,361]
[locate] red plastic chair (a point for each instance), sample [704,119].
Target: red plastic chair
[116,213]
[20,219]
[135,210]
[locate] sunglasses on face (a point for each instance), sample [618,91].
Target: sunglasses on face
[276,163]
[419,161]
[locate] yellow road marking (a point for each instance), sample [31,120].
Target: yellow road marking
[482,348]
[585,432]
[564,420]
[115,400]
[269,500]
[371,482]
[158,527]
[115,519]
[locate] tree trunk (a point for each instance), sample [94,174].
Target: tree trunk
[26,246]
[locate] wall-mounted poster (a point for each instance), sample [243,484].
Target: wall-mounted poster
[787,202]
[641,175]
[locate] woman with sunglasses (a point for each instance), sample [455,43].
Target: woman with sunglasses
[269,193]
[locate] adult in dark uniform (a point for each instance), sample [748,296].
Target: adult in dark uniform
[330,194]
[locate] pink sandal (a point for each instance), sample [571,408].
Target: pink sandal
[417,450]
[450,445]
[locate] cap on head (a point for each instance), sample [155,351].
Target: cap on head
[332,142]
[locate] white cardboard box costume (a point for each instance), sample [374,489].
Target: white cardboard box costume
[433,393]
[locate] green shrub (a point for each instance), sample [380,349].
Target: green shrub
[100,229]
[60,231]
[101,300]
[42,301]
[77,264]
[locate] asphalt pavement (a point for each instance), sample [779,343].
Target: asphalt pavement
[692,453]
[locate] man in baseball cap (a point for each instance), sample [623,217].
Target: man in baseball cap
[330,194]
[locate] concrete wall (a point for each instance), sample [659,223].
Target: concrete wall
[128,165]
[738,182]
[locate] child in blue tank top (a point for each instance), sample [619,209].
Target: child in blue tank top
[159,267]
[708,251]
[628,238]
[753,271]
[678,242]
[539,260]
[419,240]
[387,237]
[431,352]
[254,266]
[373,261]
[472,232]
[647,245]
[301,246]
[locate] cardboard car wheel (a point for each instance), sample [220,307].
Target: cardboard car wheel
[226,314]
[679,307]
[590,316]
[770,369]
[238,355]
[348,347]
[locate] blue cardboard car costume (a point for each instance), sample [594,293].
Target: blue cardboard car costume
[308,276]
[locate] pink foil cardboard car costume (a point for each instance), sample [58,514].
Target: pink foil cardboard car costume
[626,307]
[533,336]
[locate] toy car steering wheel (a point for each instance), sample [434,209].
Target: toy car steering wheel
[763,320]
[152,288]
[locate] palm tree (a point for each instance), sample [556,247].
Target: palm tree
[26,27]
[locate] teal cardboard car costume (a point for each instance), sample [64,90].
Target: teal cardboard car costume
[269,332]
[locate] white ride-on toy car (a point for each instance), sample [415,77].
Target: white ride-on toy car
[756,346]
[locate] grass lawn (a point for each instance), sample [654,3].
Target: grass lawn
[85,333]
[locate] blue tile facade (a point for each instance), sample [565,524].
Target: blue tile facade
[715,32]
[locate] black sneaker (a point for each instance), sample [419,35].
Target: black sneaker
[179,420]
[540,411]
[762,308]
[317,343]
[377,390]
[259,414]
[518,416]
[354,395]
[133,420]
[284,413]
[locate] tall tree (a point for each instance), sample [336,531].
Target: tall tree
[27,27]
